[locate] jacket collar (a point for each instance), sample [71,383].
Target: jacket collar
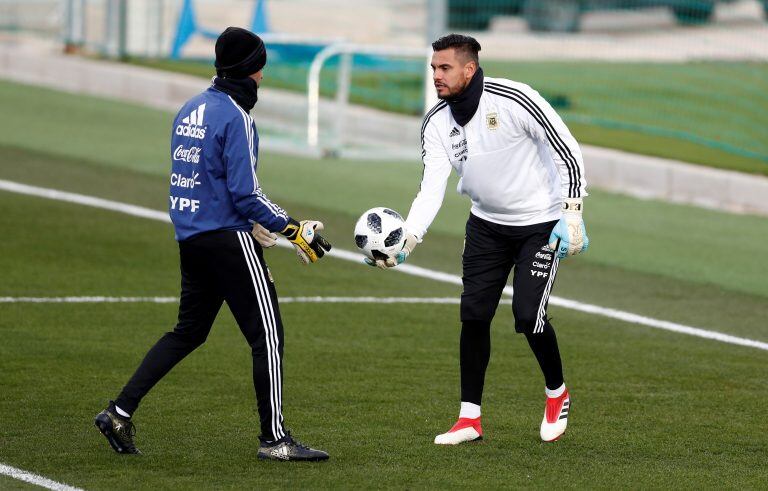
[243,90]
[464,105]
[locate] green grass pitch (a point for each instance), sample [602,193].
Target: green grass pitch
[372,384]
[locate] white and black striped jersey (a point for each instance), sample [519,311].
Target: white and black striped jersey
[515,158]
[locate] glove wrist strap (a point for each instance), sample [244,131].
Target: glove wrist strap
[573,204]
[291,230]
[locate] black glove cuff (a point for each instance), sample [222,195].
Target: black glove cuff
[572,206]
[291,230]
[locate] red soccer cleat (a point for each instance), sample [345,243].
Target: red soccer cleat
[465,430]
[555,417]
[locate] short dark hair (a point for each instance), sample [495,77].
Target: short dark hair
[466,45]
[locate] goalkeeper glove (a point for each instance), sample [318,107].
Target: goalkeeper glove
[408,246]
[310,246]
[569,237]
[264,237]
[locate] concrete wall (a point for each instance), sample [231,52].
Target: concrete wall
[612,170]
[678,182]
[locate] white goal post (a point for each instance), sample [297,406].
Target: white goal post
[346,51]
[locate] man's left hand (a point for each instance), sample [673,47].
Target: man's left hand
[310,245]
[569,237]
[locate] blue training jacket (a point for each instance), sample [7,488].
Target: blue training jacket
[214,148]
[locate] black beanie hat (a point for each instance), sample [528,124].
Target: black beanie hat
[239,53]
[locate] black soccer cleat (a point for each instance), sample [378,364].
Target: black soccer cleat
[118,431]
[287,448]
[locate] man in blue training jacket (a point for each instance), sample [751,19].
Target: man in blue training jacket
[222,220]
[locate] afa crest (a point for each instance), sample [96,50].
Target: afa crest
[492,120]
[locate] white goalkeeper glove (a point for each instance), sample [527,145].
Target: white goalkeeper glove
[264,237]
[408,246]
[569,237]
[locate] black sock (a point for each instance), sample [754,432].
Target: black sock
[475,351]
[544,347]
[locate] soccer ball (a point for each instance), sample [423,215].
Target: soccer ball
[379,233]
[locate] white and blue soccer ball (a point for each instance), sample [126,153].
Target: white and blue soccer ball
[380,233]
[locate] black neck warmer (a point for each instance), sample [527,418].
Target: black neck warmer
[464,105]
[243,90]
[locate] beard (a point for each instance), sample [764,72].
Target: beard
[452,91]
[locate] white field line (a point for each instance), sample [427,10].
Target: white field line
[41,481]
[374,300]
[403,268]
[89,299]
[81,199]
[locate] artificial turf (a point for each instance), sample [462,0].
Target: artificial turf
[370,383]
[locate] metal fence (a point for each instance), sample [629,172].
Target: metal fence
[566,15]
[42,17]
[680,72]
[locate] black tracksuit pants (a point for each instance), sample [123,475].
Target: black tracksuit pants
[216,267]
[491,251]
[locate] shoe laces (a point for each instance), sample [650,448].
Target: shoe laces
[297,443]
[128,429]
[125,433]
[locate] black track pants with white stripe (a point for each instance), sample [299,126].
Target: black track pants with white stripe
[491,251]
[217,267]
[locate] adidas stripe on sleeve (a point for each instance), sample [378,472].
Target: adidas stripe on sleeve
[240,157]
[437,169]
[538,118]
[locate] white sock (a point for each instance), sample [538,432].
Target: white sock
[555,393]
[469,410]
[122,413]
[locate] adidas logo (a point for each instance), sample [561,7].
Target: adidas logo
[192,125]
[454,132]
[281,452]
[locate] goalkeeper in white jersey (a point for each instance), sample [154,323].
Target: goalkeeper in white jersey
[524,174]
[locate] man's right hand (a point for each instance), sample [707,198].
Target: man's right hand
[410,244]
[264,237]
